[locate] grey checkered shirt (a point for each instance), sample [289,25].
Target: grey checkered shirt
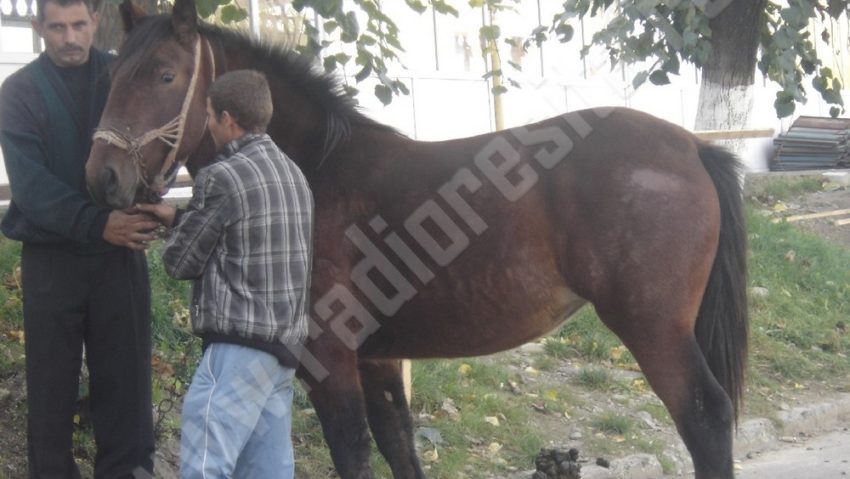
[246,239]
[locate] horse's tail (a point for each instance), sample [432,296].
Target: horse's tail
[721,327]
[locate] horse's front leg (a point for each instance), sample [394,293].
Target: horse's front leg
[389,416]
[338,399]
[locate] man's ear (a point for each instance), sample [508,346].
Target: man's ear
[184,20]
[36,26]
[130,14]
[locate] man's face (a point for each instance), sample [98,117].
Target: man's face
[68,33]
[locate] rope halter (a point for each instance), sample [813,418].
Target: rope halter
[170,133]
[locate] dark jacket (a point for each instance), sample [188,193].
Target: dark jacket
[45,148]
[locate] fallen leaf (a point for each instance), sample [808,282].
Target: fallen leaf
[448,408]
[431,455]
[493,448]
[464,369]
[492,420]
[16,335]
[617,352]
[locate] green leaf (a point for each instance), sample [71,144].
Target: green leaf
[329,26]
[363,73]
[498,90]
[836,7]
[671,65]
[416,5]
[326,8]
[835,111]
[350,27]
[784,107]
[206,8]
[329,63]
[384,93]
[659,77]
[639,79]
[807,66]
[565,32]
[490,32]
[233,14]
[440,6]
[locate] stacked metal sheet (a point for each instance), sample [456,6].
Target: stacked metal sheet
[813,143]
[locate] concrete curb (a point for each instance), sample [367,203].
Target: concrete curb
[754,435]
[757,435]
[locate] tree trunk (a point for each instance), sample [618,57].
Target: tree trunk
[110,31]
[725,98]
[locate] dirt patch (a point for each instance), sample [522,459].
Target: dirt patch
[823,202]
[13,444]
[831,197]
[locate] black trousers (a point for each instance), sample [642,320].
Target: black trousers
[102,301]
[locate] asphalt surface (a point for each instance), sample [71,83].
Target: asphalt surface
[823,457]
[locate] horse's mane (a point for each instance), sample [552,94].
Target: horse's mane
[273,59]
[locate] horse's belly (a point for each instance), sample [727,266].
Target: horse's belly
[473,322]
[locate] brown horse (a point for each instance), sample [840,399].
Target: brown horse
[462,247]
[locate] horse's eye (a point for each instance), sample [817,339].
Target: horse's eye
[167,77]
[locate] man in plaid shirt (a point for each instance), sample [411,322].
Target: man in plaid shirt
[246,240]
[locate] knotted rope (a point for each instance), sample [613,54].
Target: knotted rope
[170,133]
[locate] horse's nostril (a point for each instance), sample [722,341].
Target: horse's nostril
[109,181]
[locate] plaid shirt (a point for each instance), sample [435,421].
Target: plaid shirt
[246,239]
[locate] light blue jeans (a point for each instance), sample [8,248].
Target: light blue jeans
[237,417]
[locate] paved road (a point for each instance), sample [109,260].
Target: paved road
[823,457]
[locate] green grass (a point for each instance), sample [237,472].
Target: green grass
[611,423]
[595,378]
[780,188]
[474,388]
[797,329]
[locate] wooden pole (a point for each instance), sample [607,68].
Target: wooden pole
[407,379]
[708,135]
[811,216]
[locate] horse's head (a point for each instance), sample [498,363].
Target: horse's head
[155,115]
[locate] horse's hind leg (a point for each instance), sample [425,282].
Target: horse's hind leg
[340,406]
[389,416]
[675,367]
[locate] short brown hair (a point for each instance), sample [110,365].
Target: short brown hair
[39,5]
[246,96]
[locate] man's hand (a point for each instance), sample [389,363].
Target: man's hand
[163,212]
[130,229]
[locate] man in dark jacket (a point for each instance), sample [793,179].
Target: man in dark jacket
[84,274]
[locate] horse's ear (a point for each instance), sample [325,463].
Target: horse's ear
[130,14]
[184,19]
